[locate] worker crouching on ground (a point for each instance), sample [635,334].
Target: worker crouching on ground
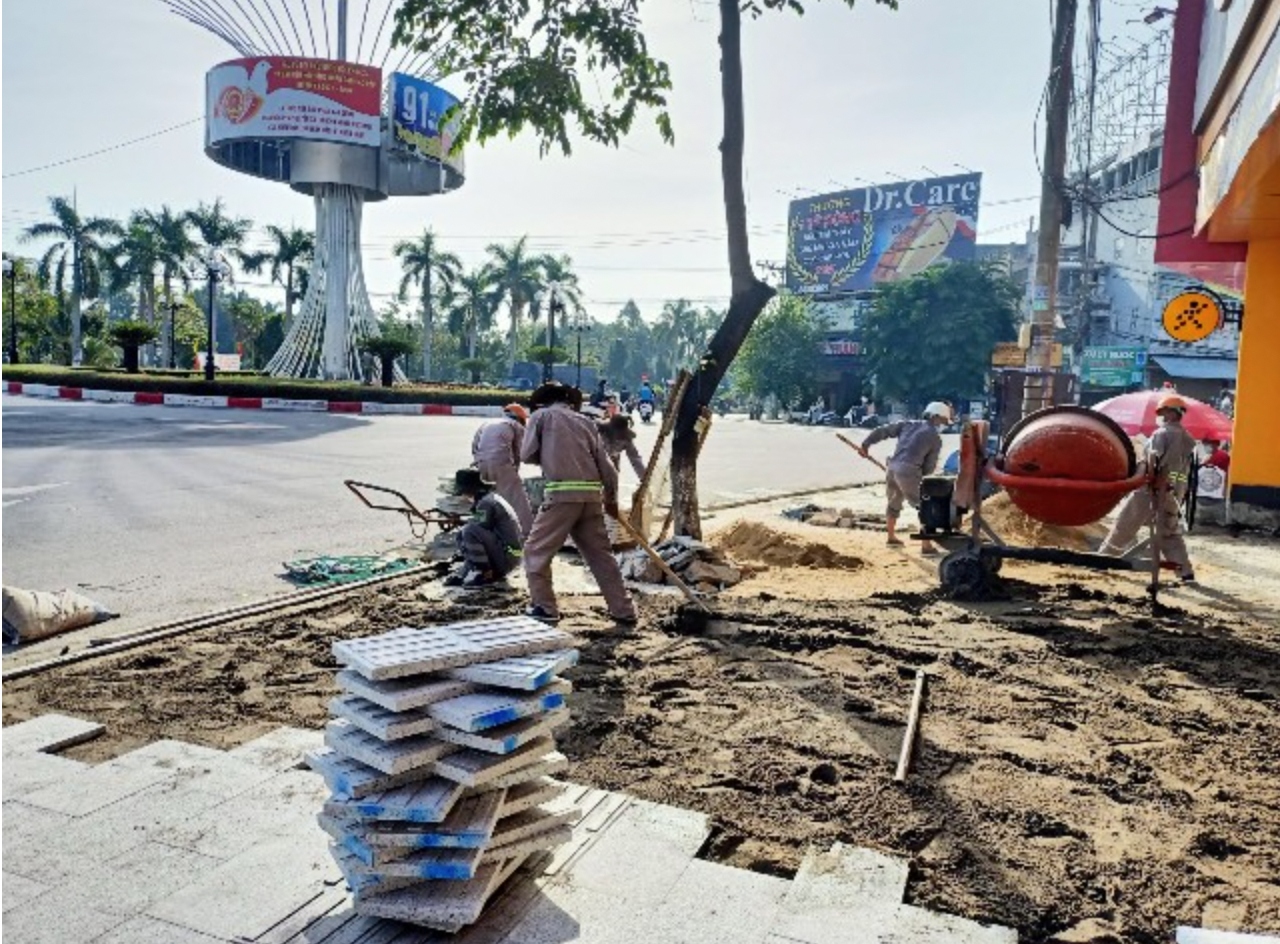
[491,540]
[618,437]
[581,486]
[495,450]
[1169,455]
[919,444]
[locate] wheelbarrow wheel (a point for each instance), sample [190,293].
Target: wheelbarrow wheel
[962,574]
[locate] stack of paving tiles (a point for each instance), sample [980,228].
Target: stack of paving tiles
[440,758]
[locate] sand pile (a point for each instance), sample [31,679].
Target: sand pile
[1015,527]
[748,540]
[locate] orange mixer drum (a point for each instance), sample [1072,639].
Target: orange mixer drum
[1067,465]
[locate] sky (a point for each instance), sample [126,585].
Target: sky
[834,99]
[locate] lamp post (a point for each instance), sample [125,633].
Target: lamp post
[216,268]
[172,307]
[580,325]
[11,273]
[554,304]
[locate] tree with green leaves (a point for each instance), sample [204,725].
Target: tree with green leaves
[249,317]
[219,232]
[78,246]
[175,249]
[783,353]
[930,336]
[288,259]
[472,303]
[134,258]
[129,336]
[517,276]
[387,348]
[421,259]
[525,62]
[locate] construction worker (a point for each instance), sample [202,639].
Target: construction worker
[916,456]
[491,540]
[495,450]
[582,486]
[618,436]
[1169,455]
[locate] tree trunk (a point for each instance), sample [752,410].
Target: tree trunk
[288,298]
[428,325]
[130,358]
[515,321]
[749,294]
[167,329]
[388,369]
[77,353]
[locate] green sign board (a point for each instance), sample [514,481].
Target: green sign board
[1113,366]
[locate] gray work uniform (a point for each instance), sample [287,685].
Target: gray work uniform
[579,477]
[916,456]
[495,450]
[615,446]
[1171,451]
[491,540]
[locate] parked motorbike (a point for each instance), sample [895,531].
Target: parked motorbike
[645,410]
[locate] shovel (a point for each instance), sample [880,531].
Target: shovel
[858,449]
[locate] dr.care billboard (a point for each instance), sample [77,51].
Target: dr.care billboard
[852,240]
[294,97]
[418,124]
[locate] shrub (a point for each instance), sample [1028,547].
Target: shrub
[131,335]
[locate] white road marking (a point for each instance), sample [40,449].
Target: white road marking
[22,493]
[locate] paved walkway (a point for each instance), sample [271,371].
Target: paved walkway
[179,844]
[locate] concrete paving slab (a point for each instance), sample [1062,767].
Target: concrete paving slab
[481,710]
[382,723]
[550,763]
[362,882]
[511,636]
[200,768]
[350,778]
[573,913]
[25,774]
[445,865]
[1189,935]
[144,930]
[131,882]
[85,790]
[470,824]
[19,890]
[403,694]
[448,906]
[530,822]
[407,651]
[282,749]
[252,892]
[847,874]
[48,734]
[22,822]
[525,796]
[426,801]
[715,903]
[542,841]
[46,920]
[506,738]
[912,925]
[391,757]
[473,768]
[527,673]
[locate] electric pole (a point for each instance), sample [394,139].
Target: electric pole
[1037,391]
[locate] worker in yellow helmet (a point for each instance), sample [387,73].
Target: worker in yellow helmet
[1170,453]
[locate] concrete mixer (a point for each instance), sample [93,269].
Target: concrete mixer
[1065,465]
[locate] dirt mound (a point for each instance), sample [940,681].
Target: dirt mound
[748,540]
[1013,525]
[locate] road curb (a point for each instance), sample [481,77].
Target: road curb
[147,398]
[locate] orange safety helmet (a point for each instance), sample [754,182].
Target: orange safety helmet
[516,412]
[1171,402]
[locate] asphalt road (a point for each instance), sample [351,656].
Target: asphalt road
[162,512]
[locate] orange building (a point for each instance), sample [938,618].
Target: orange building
[1220,210]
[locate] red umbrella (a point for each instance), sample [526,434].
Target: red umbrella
[1136,413]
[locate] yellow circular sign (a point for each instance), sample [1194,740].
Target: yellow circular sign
[1192,316]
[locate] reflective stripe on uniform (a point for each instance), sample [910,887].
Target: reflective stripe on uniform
[569,486]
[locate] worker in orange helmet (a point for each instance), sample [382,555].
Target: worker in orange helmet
[1170,453]
[495,451]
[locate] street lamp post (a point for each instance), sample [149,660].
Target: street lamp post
[580,325]
[216,268]
[172,307]
[554,304]
[11,273]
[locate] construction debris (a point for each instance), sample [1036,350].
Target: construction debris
[835,518]
[440,760]
[699,565]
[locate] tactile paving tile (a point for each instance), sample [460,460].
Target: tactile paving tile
[403,694]
[381,723]
[477,768]
[558,812]
[526,673]
[515,635]
[349,777]
[425,801]
[391,757]
[538,842]
[482,710]
[439,864]
[531,793]
[468,826]
[406,651]
[507,737]
[445,906]
[364,883]
[552,763]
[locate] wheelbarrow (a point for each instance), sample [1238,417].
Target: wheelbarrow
[420,521]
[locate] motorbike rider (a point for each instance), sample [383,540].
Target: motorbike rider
[647,401]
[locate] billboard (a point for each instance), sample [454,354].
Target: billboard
[293,97]
[853,240]
[1113,366]
[417,109]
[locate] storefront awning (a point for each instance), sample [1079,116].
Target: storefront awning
[1197,368]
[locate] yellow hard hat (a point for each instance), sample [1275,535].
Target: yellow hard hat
[1171,402]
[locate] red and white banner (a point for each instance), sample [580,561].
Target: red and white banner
[294,97]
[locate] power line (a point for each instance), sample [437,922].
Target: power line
[100,151]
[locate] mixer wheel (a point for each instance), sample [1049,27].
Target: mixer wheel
[991,563]
[962,574]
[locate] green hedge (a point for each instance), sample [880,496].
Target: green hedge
[253,385]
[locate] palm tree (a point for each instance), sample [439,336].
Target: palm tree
[675,334]
[78,242]
[135,256]
[219,232]
[518,278]
[472,304]
[176,249]
[559,270]
[290,253]
[421,259]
